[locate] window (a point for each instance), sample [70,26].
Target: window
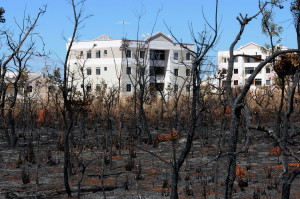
[258,58]
[156,70]
[249,70]
[176,72]
[159,86]
[236,59]
[224,60]
[235,71]
[29,89]
[235,82]
[98,71]
[175,88]
[187,72]
[187,56]
[175,56]
[98,87]
[224,71]
[128,70]
[128,53]
[247,59]
[257,82]
[105,68]
[105,52]
[187,88]
[159,70]
[88,71]
[88,54]
[268,82]
[268,70]
[128,87]
[97,53]
[142,54]
[81,53]
[88,88]
[157,55]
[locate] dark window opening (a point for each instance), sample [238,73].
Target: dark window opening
[142,54]
[128,53]
[128,70]
[88,54]
[257,82]
[249,70]
[157,71]
[98,71]
[188,72]
[175,56]
[188,56]
[175,72]
[175,88]
[156,87]
[97,53]
[88,71]
[88,88]
[157,55]
[128,87]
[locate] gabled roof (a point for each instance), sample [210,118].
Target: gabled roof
[104,37]
[249,45]
[158,35]
[10,76]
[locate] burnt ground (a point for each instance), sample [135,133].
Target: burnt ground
[149,177]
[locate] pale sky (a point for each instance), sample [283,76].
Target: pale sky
[177,14]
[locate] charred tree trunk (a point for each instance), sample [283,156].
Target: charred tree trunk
[174,184]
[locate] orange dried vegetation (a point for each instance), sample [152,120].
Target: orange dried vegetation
[227,111]
[239,172]
[291,166]
[44,115]
[168,137]
[275,151]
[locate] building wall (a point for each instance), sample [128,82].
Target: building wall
[116,61]
[243,64]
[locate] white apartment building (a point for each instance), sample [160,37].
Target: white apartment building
[105,61]
[244,66]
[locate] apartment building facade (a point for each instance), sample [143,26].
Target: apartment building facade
[244,66]
[105,62]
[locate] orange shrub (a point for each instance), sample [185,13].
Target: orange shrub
[239,172]
[167,137]
[275,151]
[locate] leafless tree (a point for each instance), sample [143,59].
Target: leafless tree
[78,17]
[237,103]
[19,53]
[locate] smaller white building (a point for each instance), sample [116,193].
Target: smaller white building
[34,84]
[244,66]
